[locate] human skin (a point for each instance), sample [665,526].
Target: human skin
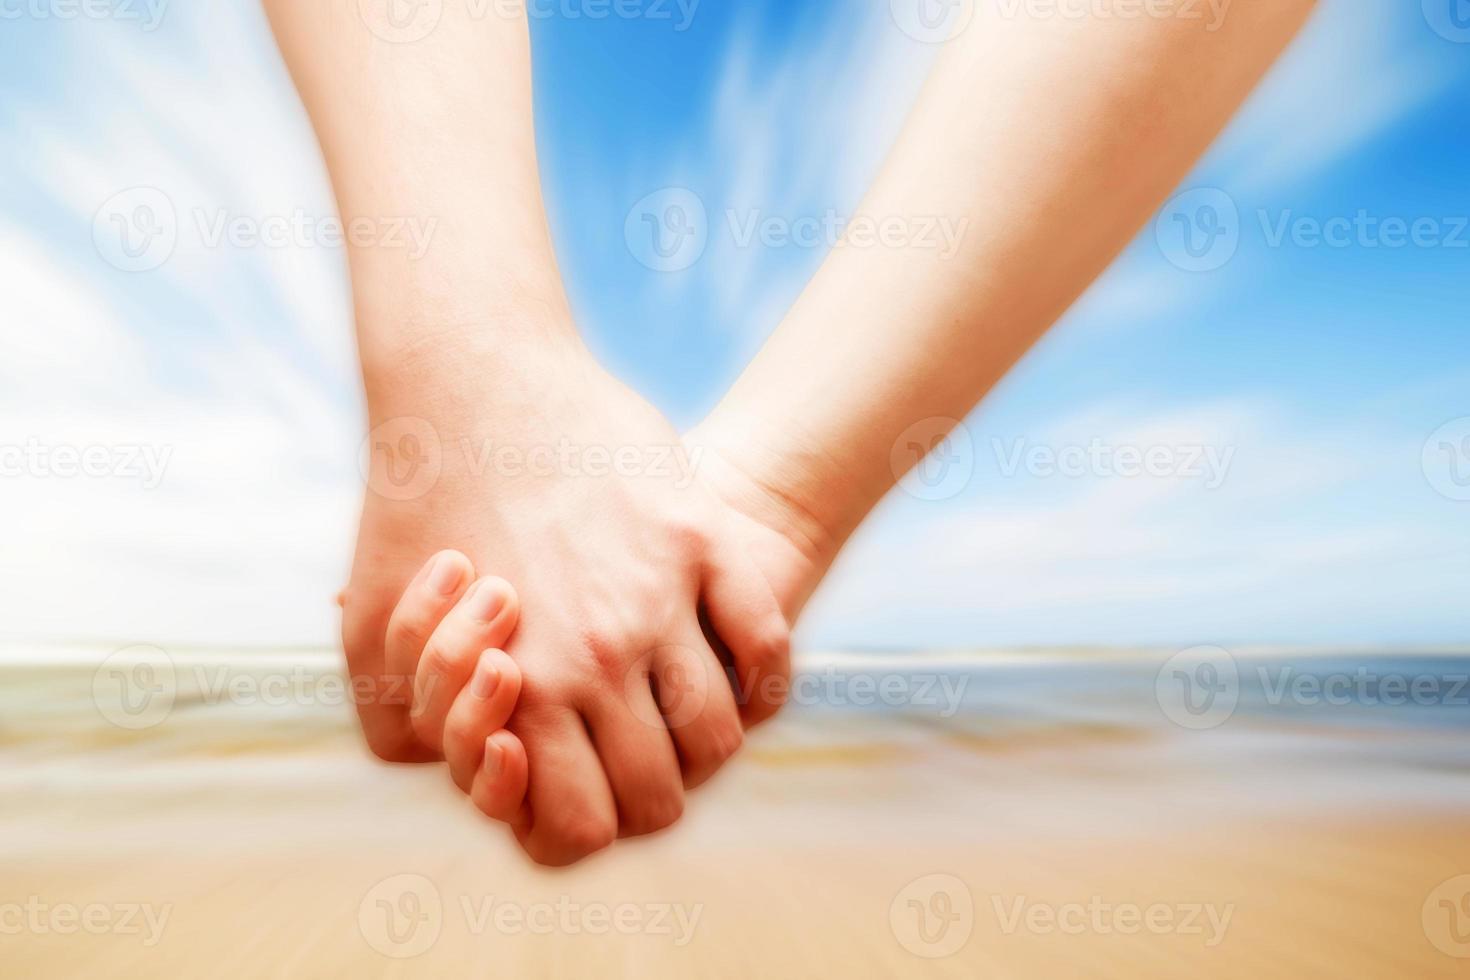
[1096,118]
[1087,126]
[471,347]
[1057,139]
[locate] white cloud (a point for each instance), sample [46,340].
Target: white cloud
[232,363]
[1271,554]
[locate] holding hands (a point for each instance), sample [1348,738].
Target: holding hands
[581,649]
[613,697]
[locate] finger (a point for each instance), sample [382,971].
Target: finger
[499,786]
[571,810]
[638,757]
[424,604]
[699,709]
[382,706]
[481,709]
[749,623]
[484,618]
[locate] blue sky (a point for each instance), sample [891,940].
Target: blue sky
[1320,372]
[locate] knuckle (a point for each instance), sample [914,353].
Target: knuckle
[426,728]
[362,636]
[656,813]
[763,683]
[713,752]
[395,744]
[410,631]
[459,730]
[463,779]
[543,693]
[772,645]
[577,836]
[764,697]
[492,806]
[728,741]
[548,856]
[510,672]
[547,688]
[605,651]
[688,535]
[438,660]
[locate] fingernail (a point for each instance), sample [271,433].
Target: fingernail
[494,758]
[485,680]
[444,576]
[485,602]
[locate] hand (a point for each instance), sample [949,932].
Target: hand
[556,477]
[459,627]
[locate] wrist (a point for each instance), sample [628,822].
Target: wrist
[773,481]
[434,357]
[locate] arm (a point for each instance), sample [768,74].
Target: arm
[438,131]
[496,435]
[1054,140]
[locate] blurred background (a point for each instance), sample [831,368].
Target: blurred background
[1173,629]
[1294,384]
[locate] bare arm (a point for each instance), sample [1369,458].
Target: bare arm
[1050,141]
[437,130]
[474,369]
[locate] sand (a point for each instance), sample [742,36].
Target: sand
[248,835]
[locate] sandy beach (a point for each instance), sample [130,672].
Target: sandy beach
[1040,816]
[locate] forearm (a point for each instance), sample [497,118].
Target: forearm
[1046,144]
[436,134]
